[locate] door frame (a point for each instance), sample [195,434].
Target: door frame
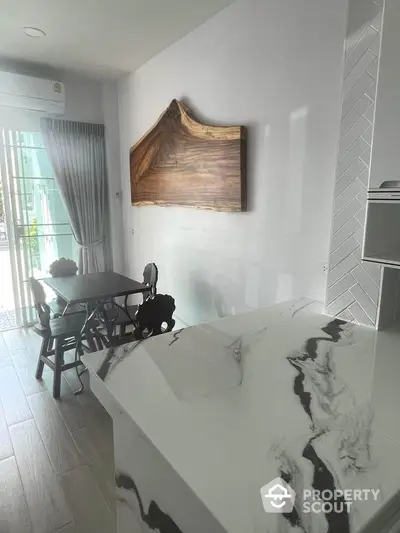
[10,228]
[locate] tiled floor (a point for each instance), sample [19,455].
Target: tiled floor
[7,315]
[7,320]
[56,457]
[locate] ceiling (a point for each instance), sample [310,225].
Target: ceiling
[101,38]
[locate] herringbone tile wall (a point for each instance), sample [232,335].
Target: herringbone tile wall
[353,286]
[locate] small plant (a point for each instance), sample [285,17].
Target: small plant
[33,242]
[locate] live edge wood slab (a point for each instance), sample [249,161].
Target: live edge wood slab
[180,161]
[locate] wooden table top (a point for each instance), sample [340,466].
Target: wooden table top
[97,286]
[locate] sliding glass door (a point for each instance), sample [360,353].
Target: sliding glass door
[40,230]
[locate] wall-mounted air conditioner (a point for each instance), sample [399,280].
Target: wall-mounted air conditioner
[36,94]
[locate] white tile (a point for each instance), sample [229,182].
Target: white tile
[359,147]
[348,212]
[366,155]
[367,135]
[377,22]
[344,233]
[346,315]
[341,269]
[343,251]
[364,301]
[352,135]
[369,113]
[360,315]
[352,40]
[360,216]
[374,272]
[366,283]
[366,40]
[364,177]
[358,71]
[348,194]
[340,287]
[354,114]
[371,91]
[357,255]
[360,88]
[349,176]
[362,195]
[376,45]
[373,69]
[359,236]
[340,304]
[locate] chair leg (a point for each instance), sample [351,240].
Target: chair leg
[90,341]
[122,330]
[58,362]
[42,354]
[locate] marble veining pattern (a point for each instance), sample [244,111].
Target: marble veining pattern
[284,391]
[154,518]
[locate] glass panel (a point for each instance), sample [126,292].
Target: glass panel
[43,232]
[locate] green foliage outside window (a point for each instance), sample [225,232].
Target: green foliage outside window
[33,242]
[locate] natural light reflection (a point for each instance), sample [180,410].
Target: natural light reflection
[293,200]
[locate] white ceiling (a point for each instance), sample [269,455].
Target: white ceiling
[101,38]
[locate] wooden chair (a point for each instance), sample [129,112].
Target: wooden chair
[155,316]
[60,268]
[150,278]
[63,332]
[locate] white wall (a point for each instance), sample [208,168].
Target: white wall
[111,123]
[276,67]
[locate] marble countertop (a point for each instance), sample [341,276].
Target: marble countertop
[283,391]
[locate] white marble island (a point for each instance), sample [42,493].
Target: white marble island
[205,416]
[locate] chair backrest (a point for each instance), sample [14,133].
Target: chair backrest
[63,267]
[39,300]
[152,314]
[150,277]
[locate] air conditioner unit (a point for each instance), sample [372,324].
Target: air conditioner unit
[36,94]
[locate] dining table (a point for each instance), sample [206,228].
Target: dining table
[97,292]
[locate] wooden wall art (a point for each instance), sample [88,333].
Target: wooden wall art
[182,162]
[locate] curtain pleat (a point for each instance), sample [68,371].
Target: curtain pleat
[77,153]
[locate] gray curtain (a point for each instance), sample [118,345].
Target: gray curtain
[77,153]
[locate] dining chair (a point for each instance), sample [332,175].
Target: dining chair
[154,316]
[150,278]
[64,333]
[61,268]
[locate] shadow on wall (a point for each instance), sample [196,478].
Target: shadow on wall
[217,299]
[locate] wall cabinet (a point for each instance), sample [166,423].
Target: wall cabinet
[385,163]
[382,230]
